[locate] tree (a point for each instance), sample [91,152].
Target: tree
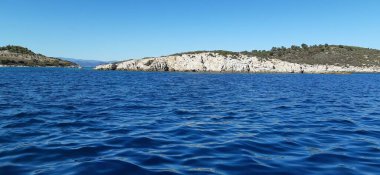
[294,47]
[305,46]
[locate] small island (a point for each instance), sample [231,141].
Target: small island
[17,56]
[296,59]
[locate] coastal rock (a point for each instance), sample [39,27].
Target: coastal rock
[106,67]
[214,62]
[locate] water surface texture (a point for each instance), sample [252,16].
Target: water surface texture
[69,121]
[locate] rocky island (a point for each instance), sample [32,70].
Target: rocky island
[296,59]
[16,56]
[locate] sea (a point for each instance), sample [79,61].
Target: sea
[57,121]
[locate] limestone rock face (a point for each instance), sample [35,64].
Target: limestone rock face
[106,67]
[213,62]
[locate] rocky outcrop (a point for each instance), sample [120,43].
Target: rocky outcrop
[214,62]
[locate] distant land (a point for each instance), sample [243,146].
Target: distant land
[21,56]
[296,59]
[85,63]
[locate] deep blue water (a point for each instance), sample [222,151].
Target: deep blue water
[69,121]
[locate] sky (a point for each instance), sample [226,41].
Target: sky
[129,29]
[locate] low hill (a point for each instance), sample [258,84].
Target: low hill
[21,56]
[85,63]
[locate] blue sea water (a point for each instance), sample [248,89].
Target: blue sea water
[69,121]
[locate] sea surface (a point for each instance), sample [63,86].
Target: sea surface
[57,121]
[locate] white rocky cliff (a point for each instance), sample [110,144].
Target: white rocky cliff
[213,62]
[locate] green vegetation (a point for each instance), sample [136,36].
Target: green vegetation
[220,52]
[17,49]
[317,54]
[21,56]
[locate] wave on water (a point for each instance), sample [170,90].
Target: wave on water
[63,121]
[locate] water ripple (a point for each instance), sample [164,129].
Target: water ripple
[68,121]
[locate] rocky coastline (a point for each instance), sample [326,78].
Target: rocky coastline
[214,62]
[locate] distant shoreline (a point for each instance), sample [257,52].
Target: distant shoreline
[21,66]
[209,72]
[216,72]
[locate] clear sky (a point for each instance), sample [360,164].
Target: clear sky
[124,29]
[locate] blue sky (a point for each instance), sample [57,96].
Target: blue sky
[124,29]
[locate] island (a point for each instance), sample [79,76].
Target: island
[17,56]
[296,59]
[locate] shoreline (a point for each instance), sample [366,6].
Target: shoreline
[20,66]
[199,72]
[226,72]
